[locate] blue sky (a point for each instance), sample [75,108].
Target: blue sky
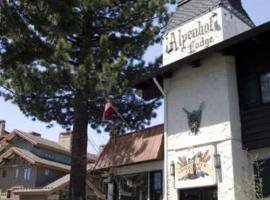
[258,11]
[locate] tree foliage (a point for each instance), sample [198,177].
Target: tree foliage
[61,58]
[50,50]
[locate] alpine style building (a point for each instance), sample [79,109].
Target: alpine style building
[215,81]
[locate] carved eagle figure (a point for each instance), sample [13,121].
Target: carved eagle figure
[194,118]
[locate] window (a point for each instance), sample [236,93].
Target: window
[208,193]
[49,155]
[27,173]
[47,172]
[249,91]
[16,173]
[265,87]
[254,89]
[156,185]
[134,186]
[262,172]
[4,173]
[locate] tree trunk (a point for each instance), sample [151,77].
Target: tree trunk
[79,151]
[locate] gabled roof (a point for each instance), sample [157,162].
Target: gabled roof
[91,158]
[33,159]
[37,141]
[57,185]
[186,10]
[133,148]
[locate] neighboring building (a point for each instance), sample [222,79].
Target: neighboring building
[215,81]
[133,164]
[3,132]
[65,139]
[27,160]
[35,168]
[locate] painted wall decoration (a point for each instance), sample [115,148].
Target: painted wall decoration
[194,118]
[195,167]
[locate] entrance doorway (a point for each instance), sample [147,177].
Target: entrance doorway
[209,193]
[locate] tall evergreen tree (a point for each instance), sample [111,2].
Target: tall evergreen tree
[61,58]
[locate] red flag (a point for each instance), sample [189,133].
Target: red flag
[108,110]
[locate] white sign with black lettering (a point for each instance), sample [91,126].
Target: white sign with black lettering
[193,36]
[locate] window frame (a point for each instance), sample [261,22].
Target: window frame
[258,76]
[152,188]
[261,85]
[4,173]
[27,173]
[47,172]
[16,173]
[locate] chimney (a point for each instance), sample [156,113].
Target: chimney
[65,139]
[2,127]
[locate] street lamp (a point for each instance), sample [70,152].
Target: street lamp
[172,168]
[217,161]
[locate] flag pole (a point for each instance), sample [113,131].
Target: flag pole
[120,116]
[117,113]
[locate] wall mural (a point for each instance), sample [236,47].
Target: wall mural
[194,167]
[194,118]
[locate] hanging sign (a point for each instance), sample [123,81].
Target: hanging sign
[193,36]
[195,168]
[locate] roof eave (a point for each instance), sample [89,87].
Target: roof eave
[197,56]
[130,164]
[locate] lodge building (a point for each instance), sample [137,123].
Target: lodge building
[215,81]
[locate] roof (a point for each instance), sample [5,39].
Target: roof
[37,141]
[133,148]
[91,157]
[189,9]
[33,159]
[57,185]
[46,190]
[251,40]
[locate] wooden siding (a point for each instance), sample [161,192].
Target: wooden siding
[10,180]
[255,119]
[256,127]
[41,152]
[43,179]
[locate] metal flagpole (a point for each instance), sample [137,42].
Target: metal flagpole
[119,115]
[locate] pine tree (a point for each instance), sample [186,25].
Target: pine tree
[60,59]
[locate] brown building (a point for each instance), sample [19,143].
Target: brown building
[32,167]
[27,160]
[133,165]
[58,189]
